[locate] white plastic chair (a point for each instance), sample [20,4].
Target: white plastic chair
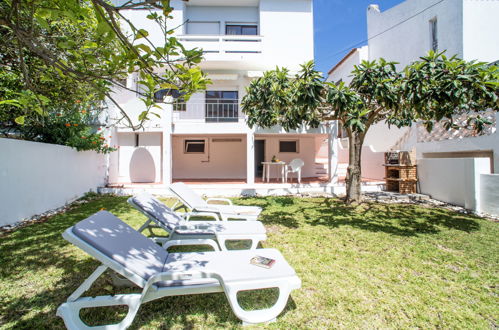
[294,167]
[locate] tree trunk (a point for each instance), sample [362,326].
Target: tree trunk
[354,174]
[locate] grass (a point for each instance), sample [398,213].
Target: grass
[369,266]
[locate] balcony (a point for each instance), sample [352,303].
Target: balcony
[211,111]
[225,47]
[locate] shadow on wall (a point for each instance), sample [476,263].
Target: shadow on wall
[142,169]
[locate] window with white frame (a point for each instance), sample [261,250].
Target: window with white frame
[179,104]
[194,146]
[288,146]
[434,34]
[239,29]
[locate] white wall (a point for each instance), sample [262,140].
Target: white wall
[480,24]
[381,137]
[409,38]
[453,180]
[489,194]
[37,177]
[344,70]
[371,162]
[142,163]
[288,31]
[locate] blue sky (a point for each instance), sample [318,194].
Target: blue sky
[339,26]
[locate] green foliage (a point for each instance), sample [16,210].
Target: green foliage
[55,47]
[437,88]
[275,99]
[71,128]
[434,89]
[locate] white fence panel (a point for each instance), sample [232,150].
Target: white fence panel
[489,194]
[453,180]
[37,177]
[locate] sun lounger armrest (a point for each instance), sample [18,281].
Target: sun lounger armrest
[228,201]
[187,216]
[190,242]
[206,208]
[175,276]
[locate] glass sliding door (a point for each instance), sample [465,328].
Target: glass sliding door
[222,106]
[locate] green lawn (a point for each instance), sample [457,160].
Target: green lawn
[371,266]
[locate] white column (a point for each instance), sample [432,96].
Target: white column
[166,119]
[113,158]
[332,164]
[250,158]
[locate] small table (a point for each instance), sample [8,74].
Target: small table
[266,170]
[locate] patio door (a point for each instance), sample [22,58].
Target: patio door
[222,106]
[259,157]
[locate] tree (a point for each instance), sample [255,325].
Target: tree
[434,89]
[55,47]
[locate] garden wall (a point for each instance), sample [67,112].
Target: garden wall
[37,177]
[489,194]
[453,180]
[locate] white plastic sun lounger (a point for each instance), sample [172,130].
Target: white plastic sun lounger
[183,232]
[160,274]
[228,211]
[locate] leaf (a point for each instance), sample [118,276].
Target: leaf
[143,47]
[20,120]
[141,33]
[90,44]
[11,102]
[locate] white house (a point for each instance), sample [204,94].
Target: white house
[207,139]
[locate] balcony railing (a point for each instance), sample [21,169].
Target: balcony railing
[226,44]
[213,111]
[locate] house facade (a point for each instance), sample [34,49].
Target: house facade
[206,139]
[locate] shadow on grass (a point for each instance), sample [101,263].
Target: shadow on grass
[396,219]
[40,249]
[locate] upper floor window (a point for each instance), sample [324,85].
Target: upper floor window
[241,29]
[179,104]
[434,34]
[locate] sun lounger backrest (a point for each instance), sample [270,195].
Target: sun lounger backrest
[187,195]
[117,240]
[157,210]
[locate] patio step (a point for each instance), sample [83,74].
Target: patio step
[320,168]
